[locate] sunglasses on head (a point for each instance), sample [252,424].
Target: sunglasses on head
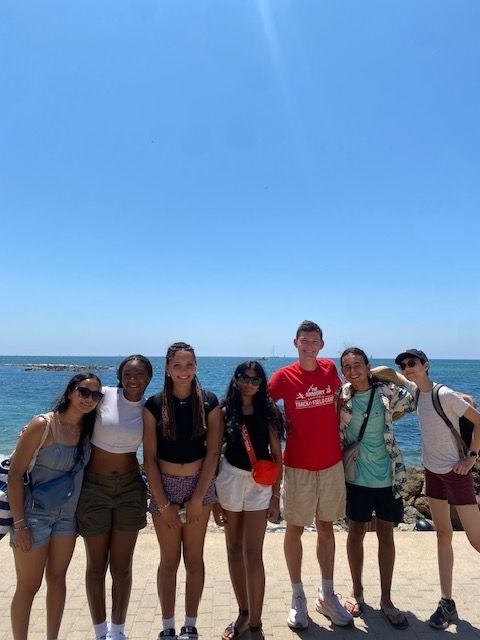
[256,381]
[409,363]
[86,393]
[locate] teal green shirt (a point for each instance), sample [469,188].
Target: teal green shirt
[373,464]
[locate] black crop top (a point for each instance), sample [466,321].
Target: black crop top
[235,451]
[184,448]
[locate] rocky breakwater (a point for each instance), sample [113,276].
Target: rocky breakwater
[67,367]
[416,503]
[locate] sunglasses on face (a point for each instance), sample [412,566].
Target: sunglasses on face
[86,393]
[256,381]
[409,363]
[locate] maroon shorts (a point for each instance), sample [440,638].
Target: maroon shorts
[451,486]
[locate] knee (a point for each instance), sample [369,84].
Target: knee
[96,572]
[55,580]
[169,565]
[324,530]
[385,534]
[235,549]
[28,590]
[193,563]
[121,572]
[253,557]
[356,531]
[444,535]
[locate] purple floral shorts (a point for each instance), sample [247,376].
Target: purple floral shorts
[179,489]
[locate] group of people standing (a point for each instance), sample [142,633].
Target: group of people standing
[96,431]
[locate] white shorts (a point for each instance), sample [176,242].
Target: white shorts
[238,491]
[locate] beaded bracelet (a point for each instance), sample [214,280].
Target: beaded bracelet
[20,528]
[164,508]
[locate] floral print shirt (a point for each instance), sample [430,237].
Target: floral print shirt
[396,400]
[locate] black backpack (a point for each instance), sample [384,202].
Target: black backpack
[464,438]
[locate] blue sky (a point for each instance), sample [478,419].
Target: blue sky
[217,171]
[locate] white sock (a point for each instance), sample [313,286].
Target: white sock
[326,588]
[297,588]
[100,629]
[190,621]
[115,629]
[168,623]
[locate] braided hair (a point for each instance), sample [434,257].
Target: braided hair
[135,357]
[168,413]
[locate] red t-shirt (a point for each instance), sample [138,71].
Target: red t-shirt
[313,440]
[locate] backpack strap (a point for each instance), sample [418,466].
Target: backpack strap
[45,433]
[462,447]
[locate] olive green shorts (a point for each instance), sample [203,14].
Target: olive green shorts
[112,502]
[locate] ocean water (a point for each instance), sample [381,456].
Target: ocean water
[25,393]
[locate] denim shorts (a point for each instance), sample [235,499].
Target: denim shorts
[179,489]
[47,524]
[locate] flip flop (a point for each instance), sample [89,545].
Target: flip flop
[392,614]
[354,605]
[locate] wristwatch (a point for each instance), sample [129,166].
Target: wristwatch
[473,454]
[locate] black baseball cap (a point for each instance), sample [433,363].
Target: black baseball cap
[411,353]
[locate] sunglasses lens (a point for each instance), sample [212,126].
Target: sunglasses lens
[86,393]
[410,364]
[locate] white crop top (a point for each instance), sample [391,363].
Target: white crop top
[119,424]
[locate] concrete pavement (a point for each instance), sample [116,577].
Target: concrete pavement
[415,590]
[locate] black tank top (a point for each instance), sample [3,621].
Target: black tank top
[235,451]
[185,448]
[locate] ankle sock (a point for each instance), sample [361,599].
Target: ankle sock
[115,629]
[168,623]
[326,588]
[190,621]
[100,629]
[297,589]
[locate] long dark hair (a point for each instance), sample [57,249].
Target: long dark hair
[265,410]
[88,420]
[136,356]
[168,413]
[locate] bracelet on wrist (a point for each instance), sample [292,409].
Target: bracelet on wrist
[20,528]
[164,508]
[18,521]
[276,495]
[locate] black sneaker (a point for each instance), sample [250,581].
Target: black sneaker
[167,633]
[446,612]
[188,633]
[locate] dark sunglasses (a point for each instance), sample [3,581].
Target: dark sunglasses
[256,381]
[409,363]
[86,393]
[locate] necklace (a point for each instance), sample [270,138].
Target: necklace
[69,426]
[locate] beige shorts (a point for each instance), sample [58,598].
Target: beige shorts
[313,494]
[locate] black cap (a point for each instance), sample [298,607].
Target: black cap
[412,353]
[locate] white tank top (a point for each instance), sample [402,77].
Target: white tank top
[119,424]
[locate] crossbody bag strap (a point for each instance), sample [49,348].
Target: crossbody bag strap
[462,447]
[248,445]
[366,415]
[45,433]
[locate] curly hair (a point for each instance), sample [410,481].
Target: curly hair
[136,356]
[265,410]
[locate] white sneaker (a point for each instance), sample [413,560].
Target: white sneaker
[297,618]
[331,607]
[116,636]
